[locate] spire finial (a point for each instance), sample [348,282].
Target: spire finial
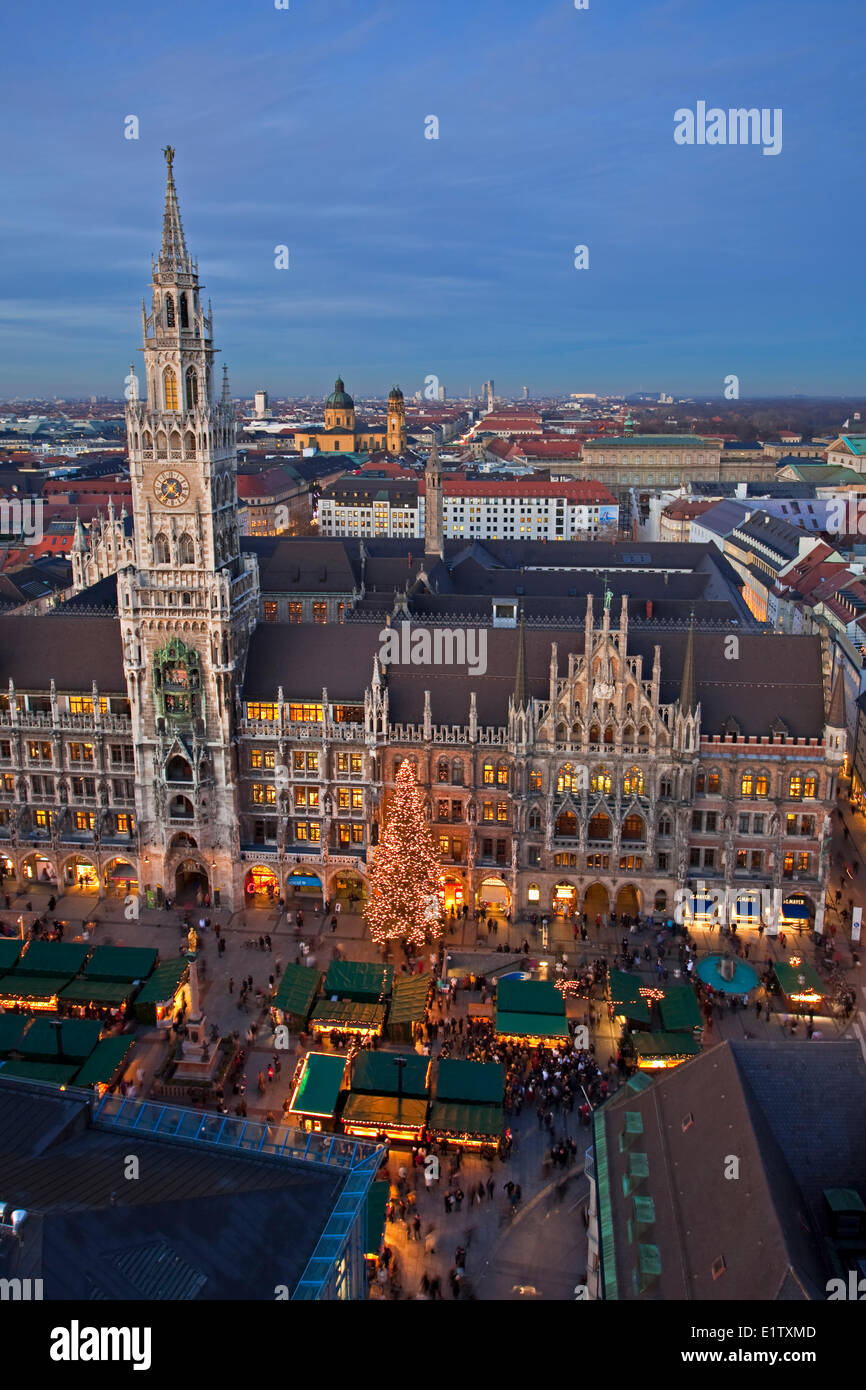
[687,688]
[520,679]
[173,255]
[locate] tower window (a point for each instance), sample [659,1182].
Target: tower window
[184,312]
[186,553]
[191,384]
[160,550]
[169,311]
[170,385]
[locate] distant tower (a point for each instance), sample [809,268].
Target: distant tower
[261,404]
[526,393]
[433,524]
[442,393]
[628,426]
[490,395]
[396,440]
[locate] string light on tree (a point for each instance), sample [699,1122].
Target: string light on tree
[404,896]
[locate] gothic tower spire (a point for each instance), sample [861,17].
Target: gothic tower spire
[173,255]
[520,695]
[433,522]
[687,687]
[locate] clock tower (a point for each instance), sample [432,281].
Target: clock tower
[189,603]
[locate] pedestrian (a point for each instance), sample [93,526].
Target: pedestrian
[491,1188]
[231,985]
[449,1203]
[458,1198]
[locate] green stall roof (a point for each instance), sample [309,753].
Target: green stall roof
[530,1026]
[56,1072]
[54,958]
[19,985]
[529,997]
[11,1029]
[297,990]
[360,980]
[623,988]
[121,963]
[105,993]
[374,1217]
[665,1045]
[376,1073]
[470,1083]
[345,1013]
[78,1038]
[10,950]
[410,998]
[161,986]
[789,979]
[476,1121]
[635,1010]
[638,1082]
[103,1062]
[679,1009]
[385,1112]
[320,1084]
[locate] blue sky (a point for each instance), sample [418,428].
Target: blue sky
[453,257]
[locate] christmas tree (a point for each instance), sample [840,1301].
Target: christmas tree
[404,885]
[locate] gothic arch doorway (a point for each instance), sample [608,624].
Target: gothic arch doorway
[596,903]
[191,884]
[628,900]
[261,886]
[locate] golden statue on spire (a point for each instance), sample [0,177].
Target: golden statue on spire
[169,155]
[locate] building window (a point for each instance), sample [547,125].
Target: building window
[502,812]
[795,786]
[307,796]
[306,714]
[488,775]
[296,612]
[761,784]
[487,811]
[713,783]
[810,786]
[271,611]
[535,780]
[256,709]
[320,613]
[502,775]
[442,770]
[632,783]
[170,385]
[747,784]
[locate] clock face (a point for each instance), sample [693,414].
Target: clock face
[170,488]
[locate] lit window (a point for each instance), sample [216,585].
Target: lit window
[257,710]
[305,714]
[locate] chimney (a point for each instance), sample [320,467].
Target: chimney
[649,607]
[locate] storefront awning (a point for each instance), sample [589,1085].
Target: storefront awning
[101,993]
[344,1015]
[406,1115]
[33,987]
[796,912]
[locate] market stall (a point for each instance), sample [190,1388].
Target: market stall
[295,996]
[105,1063]
[59,1040]
[10,952]
[54,958]
[530,1010]
[89,997]
[467,1108]
[397,1117]
[316,1090]
[800,985]
[658,1051]
[163,992]
[345,1016]
[362,981]
[121,964]
[679,1010]
[35,992]
[12,1029]
[409,1007]
[57,1073]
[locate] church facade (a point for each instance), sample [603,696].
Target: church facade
[184,742]
[345,434]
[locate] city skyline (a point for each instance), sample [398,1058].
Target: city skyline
[453,256]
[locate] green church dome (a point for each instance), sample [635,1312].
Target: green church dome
[339,398]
